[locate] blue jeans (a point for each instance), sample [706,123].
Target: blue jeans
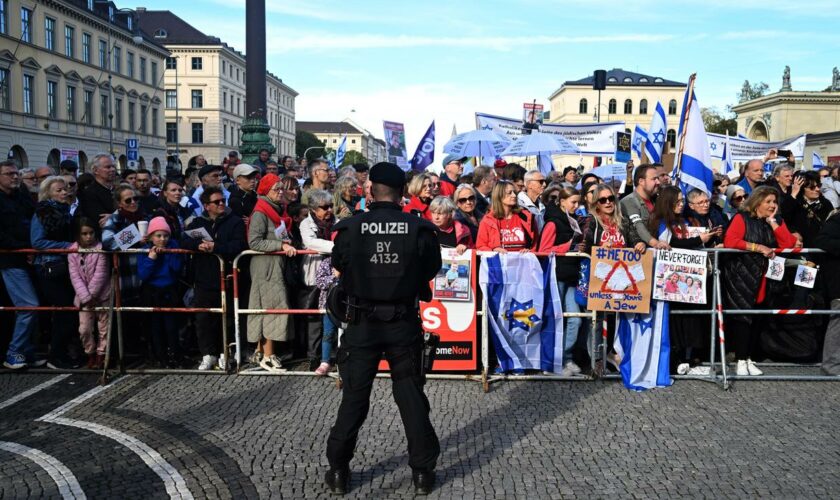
[567,293]
[328,340]
[22,292]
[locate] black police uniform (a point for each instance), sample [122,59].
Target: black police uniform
[386,259]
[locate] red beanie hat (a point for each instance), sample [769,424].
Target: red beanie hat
[266,183]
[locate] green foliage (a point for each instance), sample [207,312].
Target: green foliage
[354,157]
[305,140]
[719,123]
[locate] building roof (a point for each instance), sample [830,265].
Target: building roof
[168,28]
[327,127]
[620,77]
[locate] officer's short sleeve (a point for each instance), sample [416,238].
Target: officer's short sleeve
[428,252]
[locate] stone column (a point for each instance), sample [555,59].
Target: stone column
[255,127]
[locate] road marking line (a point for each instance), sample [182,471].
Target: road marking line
[68,485]
[174,483]
[25,394]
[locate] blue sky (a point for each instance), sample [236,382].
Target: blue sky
[418,61]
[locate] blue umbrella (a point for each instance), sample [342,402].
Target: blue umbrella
[481,143]
[537,143]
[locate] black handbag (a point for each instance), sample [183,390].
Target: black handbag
[54,269]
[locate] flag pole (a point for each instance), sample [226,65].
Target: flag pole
[687,108]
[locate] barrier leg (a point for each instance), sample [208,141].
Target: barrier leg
[713,317]
[593,346]
[103,379]
[721,335]
[485,350]
[223,296]
[118,315]
[238,354]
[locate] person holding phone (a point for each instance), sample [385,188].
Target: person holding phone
[701,212]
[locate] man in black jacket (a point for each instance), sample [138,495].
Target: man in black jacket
[243,196]
[227,239]
[16,210]
[96,202]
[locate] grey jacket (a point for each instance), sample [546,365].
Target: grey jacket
[636,217]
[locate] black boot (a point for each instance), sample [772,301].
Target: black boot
[338,480]
[424,481]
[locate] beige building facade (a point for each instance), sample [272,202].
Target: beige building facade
[204,99]
[56,57]
[781,115]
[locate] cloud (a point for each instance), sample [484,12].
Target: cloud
[330,41]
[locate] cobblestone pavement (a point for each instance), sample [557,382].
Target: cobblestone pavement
[149,436]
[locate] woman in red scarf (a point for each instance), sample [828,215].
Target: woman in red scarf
[506,226]
[420,196]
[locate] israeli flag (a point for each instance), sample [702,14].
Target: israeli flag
[640,136]
[424,155]
[545,164]
[645,348]
[816,161]
[726,158]
[657,135]
[339,155]
[694,168]
[524,311]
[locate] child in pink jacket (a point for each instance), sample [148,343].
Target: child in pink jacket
[90,275]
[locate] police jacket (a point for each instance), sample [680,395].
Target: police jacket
[385,255]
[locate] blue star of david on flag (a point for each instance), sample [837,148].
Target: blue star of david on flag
[643,325]
[521,314]
[659,137]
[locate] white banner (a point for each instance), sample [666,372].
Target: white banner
[593,139]
[745,149]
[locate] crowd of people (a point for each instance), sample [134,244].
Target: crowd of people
[283,207]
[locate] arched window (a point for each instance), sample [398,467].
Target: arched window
[672,107]
[672,138]
[583,107]
[612,107]
[643,107]
[628,107]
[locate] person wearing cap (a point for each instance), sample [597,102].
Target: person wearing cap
[68,167]
[386,259]
[243,196]
[452,170]
[209,176]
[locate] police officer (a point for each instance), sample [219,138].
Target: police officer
[386,259]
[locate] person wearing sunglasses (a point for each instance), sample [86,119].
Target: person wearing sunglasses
[811,209]
[227,239]
[506,227]
[735,196]
[209,176]
[529,197]
[466,201]
[420,194]
[453,168]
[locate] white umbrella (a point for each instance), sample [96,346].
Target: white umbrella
[481,143]
[537,143]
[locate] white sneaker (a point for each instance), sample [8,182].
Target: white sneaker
[221,363]
[683,368]
[572,368]
[208,362]
[742,368]
[272,364]
[752,369]
[699,370]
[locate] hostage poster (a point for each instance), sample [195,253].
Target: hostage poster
[395,139]
[680,276]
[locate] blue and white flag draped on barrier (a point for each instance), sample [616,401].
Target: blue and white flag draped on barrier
[524,311]
[645,348]
[424,155]
[656,135]
[816,161]
[695,164]
[342,150]
[640,135]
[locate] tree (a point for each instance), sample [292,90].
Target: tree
[754,91]
[354,157]
[305,140]
[717,122]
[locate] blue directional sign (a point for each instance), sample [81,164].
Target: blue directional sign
[132,150]
[131,144]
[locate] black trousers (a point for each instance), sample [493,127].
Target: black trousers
[363,346]
[59,292]
[310,328]
[208,326]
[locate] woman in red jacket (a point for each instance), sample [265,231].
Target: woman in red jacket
[420,195]
[758,230]
[506,226]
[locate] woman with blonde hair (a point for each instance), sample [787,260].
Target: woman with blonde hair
[420,192]
[506,226]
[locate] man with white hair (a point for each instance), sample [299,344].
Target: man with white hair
[96,202]
[529,198]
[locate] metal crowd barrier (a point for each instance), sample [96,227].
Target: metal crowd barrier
[116,309]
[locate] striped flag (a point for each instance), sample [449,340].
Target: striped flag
[816,161]
[657,135]
[643,342]
[339,155]
[524,311]
[640,136]
[694,166]
[726,158]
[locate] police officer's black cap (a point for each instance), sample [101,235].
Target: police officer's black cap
[388,174]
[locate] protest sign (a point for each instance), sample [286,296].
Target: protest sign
[622,147]
[776,269]
[128,237]
[532,117]
[593,139]
[680,276]
[453,280]
[805,276]
[199,234]
[620,280]
[395,139]
[741,149]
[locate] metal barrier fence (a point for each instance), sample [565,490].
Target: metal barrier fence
[116,308]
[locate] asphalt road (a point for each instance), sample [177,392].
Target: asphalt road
[219,436]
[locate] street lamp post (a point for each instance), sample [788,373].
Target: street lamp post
[137,39]
[177,118]
[312,147]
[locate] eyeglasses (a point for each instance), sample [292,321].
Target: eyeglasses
[129,201]
[824,176]
[71,184]
[468,199]
[606,199]
[541,181]
[12,174]
[813,186]
[328,206]
[218,203]
[317,170]
[436,184]
[702,202]
[738,198]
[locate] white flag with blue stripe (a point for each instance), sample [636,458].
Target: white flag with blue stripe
[726,158]
[524,311]
[694,168]
[640,136]
[657,135]
[816,161]
[339,155]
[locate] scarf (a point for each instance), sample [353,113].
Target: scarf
[132,217]
[54,217]
[275,213]
[324,227]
